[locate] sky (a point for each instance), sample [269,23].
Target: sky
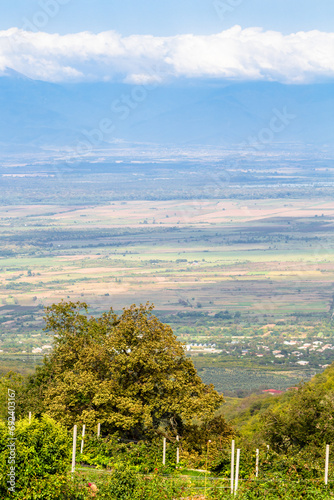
[157,41]
[172,17]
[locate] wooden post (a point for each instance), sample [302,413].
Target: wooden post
[177,451]
[29,417]
[237,472]
[232,466]
[326,464]
[82,440]
[98,430]
[74,447]
[257,463]
[164,452]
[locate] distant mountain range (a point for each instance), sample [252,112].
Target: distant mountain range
[36,114]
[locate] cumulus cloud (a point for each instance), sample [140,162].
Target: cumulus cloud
[238,54]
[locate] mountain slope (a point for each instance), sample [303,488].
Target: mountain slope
[35,113]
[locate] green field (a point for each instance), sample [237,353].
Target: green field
[258,259]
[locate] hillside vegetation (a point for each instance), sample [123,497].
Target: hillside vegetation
[128,373]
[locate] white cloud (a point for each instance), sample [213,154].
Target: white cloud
[232,54]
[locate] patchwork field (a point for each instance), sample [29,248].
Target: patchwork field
[236,252]
[262,255]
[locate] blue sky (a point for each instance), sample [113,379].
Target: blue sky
[171,17]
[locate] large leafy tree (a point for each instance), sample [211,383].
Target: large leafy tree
[126,371]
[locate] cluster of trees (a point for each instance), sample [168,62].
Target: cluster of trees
[127,372]
[303,419]
[298,423]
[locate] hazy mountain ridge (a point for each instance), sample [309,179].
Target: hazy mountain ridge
[39,113]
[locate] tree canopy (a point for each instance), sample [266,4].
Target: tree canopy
[126,371]
[303,418]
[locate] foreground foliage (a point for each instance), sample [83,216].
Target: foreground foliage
[129,373]
[41,453]
[43,461]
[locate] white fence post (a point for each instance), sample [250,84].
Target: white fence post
[257,463]
[164,452]
[232,466]
[326,464]
[98,430]
[177,451]
[82,440]
[237,472]
[29,417]
[74,447]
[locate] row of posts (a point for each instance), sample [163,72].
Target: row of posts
[235,475]
[234,463]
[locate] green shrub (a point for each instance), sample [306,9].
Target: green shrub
[127,485]
[285,490]
[144,457]
[55,487]
[42,450]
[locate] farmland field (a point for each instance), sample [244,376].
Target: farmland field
[259,248]
[250,255]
